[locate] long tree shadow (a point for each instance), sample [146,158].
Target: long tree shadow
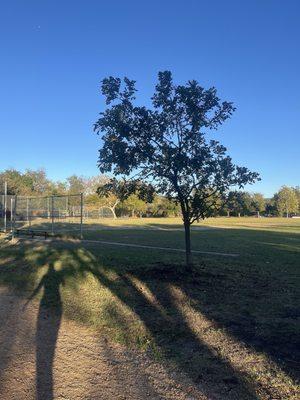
[259,311]
[175,340]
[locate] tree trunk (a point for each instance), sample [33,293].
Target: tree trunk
[188,253]
[239,215]
[228,214]
[113,208]
[113,211]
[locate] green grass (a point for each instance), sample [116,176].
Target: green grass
[233,324]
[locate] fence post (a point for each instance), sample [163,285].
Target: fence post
[52,215]
[29,210]
[81,214]
[13,213]
[5,205]
[48,208]
[67,205]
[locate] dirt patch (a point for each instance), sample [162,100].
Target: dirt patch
[44,356]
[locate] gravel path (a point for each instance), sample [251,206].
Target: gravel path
[47,357]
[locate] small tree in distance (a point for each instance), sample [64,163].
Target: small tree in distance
[286,201]
[112,193]
[115,191]
[135,205]
[239,202]
[258,203]
[166,145]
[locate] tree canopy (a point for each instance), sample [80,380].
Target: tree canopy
[287,201]
[167,145]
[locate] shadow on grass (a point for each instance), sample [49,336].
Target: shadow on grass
[48,281]
[48,323]
[252,301]
[174,339]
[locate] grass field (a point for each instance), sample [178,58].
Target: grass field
[232,325]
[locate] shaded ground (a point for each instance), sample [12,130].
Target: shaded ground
[47,357]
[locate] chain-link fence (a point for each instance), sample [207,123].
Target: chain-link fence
[48,215]
[7,203]
[95,213]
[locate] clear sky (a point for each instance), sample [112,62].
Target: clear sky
[54,54]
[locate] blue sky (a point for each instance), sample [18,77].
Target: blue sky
[54,54]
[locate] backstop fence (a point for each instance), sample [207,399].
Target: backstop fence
[7,203]
[47,215]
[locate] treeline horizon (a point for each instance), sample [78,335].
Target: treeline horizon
[285,202]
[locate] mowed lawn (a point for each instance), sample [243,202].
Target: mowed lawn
[232,325]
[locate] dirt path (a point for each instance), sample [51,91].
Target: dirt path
[47,357]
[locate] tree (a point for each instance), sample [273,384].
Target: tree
[166,145]
[135,205]
[271,208]
[239,202]
[16,184]
[297,193]
[231,204]
[91,184]
[114,191]
[76,184]
[29,183]
[58,188]
[164,207]
[37,181]
[258,203]
[111,194]
[286,201]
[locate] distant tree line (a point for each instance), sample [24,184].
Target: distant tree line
[285,202]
